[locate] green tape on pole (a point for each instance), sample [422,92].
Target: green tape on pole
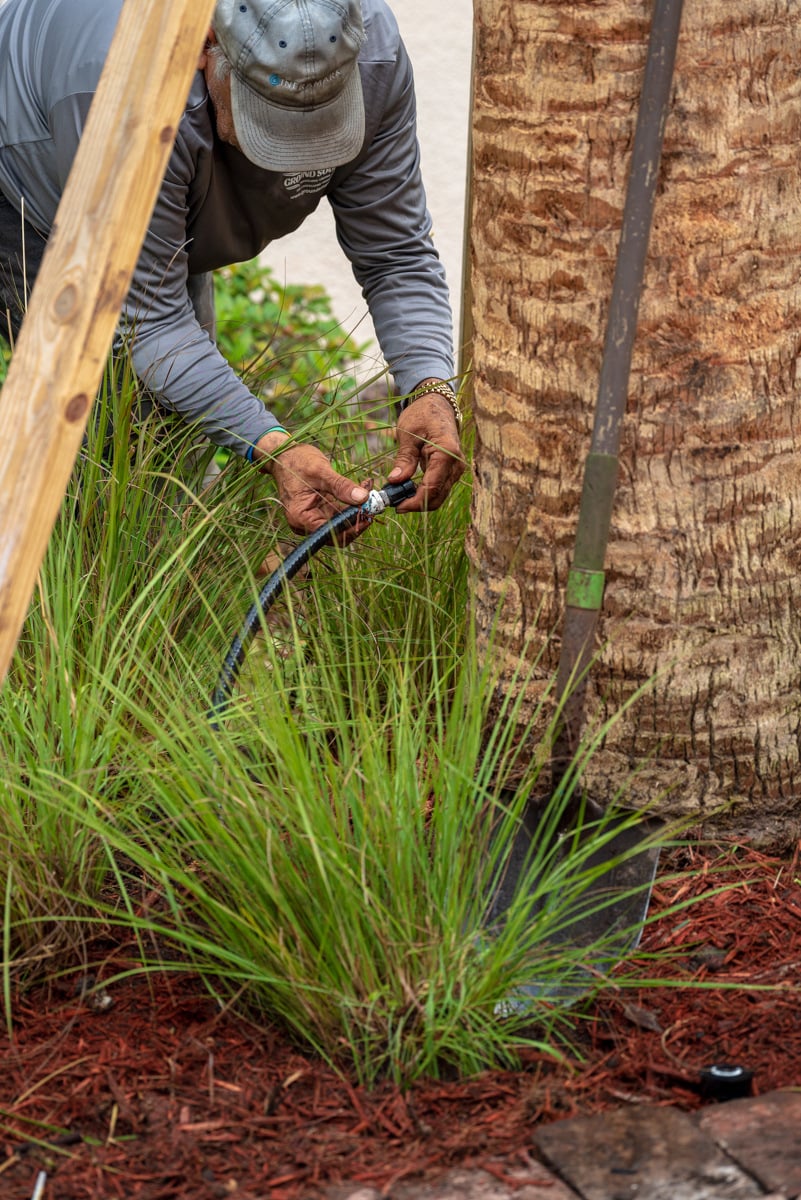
[585,589]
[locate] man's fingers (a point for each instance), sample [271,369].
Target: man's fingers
[318,476]
[407,456]
[310,490]
[428,437]
[344,490]
[441,473]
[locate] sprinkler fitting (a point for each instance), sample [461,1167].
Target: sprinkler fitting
[389,497]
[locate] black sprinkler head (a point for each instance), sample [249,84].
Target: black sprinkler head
[726,1081]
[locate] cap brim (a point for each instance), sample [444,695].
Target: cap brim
[278,137]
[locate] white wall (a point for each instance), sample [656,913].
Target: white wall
[438,35]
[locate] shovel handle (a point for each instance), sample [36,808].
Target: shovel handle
[586,580]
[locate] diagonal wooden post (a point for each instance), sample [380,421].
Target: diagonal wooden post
[101,221]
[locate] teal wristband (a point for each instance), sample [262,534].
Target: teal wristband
[273,429]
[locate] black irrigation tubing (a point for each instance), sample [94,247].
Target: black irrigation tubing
[358,515]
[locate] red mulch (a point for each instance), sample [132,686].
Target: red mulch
[163,1098]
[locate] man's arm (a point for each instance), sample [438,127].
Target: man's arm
[384,227]
[173,356]
[176,359]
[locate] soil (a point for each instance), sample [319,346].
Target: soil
[154,1094]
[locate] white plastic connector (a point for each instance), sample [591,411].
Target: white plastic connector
[375,503]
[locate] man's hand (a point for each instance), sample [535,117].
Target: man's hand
[428,436]
[309,488]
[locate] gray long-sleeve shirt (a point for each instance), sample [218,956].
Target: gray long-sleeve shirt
[216,208]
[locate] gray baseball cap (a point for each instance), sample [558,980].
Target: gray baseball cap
[296,93]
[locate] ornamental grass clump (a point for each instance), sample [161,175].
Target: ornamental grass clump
[330,864]
[327,859]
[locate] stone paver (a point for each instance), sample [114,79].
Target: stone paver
[763,1135]
[644,1153]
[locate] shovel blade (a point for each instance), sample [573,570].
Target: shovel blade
[618,857]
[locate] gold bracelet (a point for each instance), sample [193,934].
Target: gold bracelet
[441,389]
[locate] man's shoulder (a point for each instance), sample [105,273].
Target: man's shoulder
[383,35]
[57,44]
[76,17]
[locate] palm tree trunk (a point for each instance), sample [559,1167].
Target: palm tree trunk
[702,594]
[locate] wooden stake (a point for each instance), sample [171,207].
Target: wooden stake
[101,221]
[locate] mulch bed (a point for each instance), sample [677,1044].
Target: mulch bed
[159,1096]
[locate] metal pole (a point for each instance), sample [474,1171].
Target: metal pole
[585,584]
